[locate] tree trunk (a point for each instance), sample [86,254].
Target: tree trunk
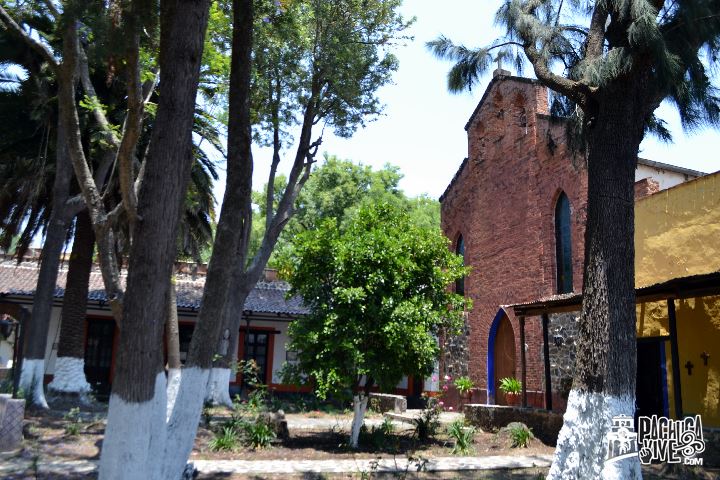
[360,402]
[33,369]
[172,329]
[70,364]
[135,437]
[604,383]
[172,339]
[185,417]
[218,386]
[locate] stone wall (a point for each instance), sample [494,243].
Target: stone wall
[562,335]
[544,425]
[455,354]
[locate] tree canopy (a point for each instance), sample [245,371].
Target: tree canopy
[378,296]
[336,190]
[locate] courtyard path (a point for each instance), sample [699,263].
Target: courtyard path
[18,467]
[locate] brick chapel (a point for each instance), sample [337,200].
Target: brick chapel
[516,211]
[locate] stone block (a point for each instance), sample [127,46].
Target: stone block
[278,422]
[544,425]
[12,413]
[385,402]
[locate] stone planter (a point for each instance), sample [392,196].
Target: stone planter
[12,414]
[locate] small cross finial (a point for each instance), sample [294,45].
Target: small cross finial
[689,365]
[499,62]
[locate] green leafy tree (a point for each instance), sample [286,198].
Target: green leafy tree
[611,63]
[378,296]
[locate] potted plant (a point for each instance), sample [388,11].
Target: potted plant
[464,387]
[512,387]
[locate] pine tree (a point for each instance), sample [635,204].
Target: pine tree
[611,63]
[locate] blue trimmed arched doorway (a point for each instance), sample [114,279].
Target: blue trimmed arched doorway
[501,356]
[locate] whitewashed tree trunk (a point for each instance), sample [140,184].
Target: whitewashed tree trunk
[359,408]
[174,377]
[584,436]
[31,381]
[69,376]
[218,391]
[183,421]
[135,436]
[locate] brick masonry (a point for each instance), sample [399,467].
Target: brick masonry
[502,201]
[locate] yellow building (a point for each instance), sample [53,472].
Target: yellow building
[677,242]
[677,278]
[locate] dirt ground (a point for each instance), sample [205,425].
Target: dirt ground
[51,436]
[47,435]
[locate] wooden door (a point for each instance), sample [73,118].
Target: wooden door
[504,357]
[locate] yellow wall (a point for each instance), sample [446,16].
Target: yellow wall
[677,234]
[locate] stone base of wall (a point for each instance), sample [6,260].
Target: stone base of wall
[12,413]
[711,455]
[544,425]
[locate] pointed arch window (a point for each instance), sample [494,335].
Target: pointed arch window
[563,245]
[460,250]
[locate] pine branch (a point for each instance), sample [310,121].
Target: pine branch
[34,44]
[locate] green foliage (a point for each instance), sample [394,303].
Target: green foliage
[428,422]
[377,291]
[259,433]
[380,437]
[463,437]
[673,48]
[74,422]
[464,384]
[511,385]
[336,190]
[225,440]
[520,435]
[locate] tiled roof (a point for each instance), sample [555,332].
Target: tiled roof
[266,297]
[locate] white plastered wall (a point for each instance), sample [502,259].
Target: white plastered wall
[666,178]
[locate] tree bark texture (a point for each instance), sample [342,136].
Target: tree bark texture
[69,374]
[172,329]
[183,421]
[37,329]
[165,181]
[139,383]
[238,191]
[72,318]
[605,370]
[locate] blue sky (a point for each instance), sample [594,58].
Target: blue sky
[422,129]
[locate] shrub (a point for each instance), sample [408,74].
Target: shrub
[520,435]
[258,434]
[511,385]
[379,437]
[464,385]
[463,437]
[74,424]
[427,423]
[225,439]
